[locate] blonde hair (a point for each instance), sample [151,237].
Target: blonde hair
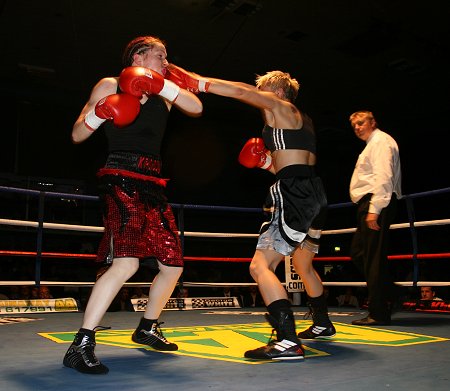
[139,45]
[362,113]
[278,79]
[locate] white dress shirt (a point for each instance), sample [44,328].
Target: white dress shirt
[377,171]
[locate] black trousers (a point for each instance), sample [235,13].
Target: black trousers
[369,251]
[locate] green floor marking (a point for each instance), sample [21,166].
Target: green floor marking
[229,342]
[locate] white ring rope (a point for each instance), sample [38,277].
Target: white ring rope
[90,228]
[214,284]
[87,228]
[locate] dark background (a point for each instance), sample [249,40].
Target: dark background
[386,56]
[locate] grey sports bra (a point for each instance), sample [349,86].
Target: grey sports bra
[303,138]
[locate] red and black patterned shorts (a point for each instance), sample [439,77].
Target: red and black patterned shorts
[138,220]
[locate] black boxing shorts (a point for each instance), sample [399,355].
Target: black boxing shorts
[295,211]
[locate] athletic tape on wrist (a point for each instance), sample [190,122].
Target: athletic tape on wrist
[203,85]
[92,121]
[169,91]
[268,163]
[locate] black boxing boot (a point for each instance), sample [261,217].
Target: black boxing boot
[322,327]
[149,333]
[286,346]
[81,356]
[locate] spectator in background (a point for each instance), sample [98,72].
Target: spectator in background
[44,292]
[25,292]
[14,292]
[138,293]
[428,293]
[348,299]
[252,297]
[34,293]
[227,291]
[182,292]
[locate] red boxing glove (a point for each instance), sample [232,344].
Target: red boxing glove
[254,154]
[121,109]
[139,80]
[187,80]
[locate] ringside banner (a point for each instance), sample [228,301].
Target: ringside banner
[293,281]
[38,306]
[191,303]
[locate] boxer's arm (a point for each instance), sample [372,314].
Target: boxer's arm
[139,80]
[105,87]
[188,103]
[187,80]
[244,92]
[121,109]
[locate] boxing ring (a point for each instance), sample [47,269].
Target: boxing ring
[41,226]
[412,353]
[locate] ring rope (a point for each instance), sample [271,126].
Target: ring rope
[215,284]
[40,225]
[214,259]
[90,228]
[200,207]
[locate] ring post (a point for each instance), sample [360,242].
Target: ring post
[40,232]
[412,228]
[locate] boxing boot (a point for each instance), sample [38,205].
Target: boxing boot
[286,346]
[81,356]
[322,327]
[149,333]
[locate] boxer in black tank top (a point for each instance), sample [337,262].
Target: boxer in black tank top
[294,207]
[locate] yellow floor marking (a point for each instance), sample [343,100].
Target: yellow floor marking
[229,342]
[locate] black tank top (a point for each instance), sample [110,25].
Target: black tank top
[145,134]
[303,138]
